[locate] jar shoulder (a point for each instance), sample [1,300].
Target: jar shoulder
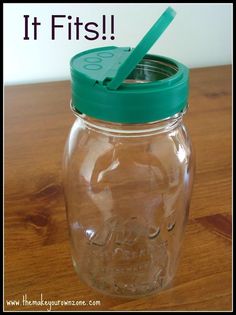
[85,142]
[157,157]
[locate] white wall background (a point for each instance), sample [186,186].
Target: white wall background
[199,36]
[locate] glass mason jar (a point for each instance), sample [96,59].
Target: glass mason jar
[128,177]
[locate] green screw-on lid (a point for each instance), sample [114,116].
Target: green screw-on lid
[124,85]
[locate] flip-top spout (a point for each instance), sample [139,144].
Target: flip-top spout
[137,54]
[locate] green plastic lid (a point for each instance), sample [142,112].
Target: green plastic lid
[124,85]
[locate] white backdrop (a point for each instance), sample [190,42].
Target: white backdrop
[199,36]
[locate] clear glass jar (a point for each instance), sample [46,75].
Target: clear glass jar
[127,190]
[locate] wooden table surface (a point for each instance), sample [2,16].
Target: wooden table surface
[37,251]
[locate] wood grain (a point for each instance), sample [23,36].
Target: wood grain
[37,251]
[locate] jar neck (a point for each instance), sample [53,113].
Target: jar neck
[123,129]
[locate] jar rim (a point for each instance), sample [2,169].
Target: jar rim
[126,129]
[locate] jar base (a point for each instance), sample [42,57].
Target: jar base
[126,291]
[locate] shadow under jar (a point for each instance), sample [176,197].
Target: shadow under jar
[128,183]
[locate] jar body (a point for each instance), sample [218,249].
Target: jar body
[127,191]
